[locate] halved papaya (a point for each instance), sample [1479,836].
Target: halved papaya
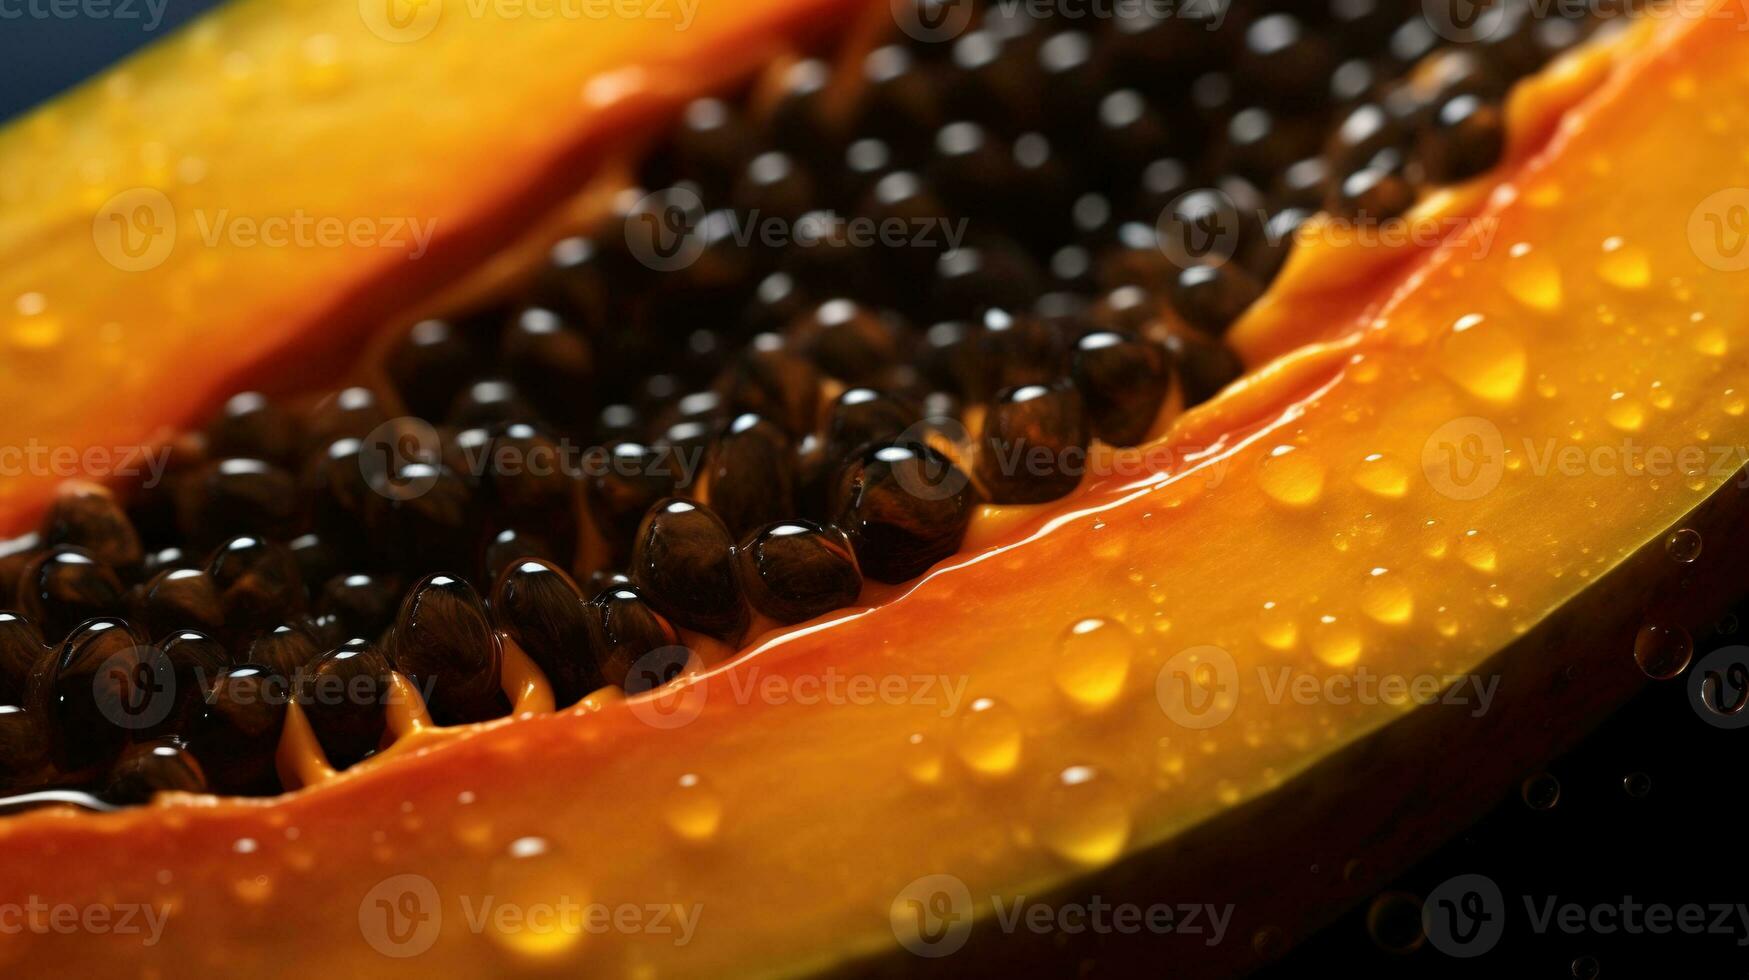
[1461,507]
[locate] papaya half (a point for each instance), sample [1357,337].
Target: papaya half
[1366,521]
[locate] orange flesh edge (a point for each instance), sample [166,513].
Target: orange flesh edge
[826,813]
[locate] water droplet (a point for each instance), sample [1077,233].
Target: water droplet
[533,875]
[1093,660]
[35,331]
[1712,342]
[1083,817]
[1379,474]
[921,759]
[1683,545]
[1477,550]
[694,810]
[1733,402]
[1625,266]
[1636,785]
[1385,598]
[1393,920]
[1484,359]
[1276,628]
[1533,279]
[1291,477]
[1541,791]
[252,889]
[1584,968]
[1663,651]
[989,738]
[1624,413]
[1335,642]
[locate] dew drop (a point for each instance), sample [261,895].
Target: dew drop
[1477,550]
[1683,545]
[1083,817]
[253,889]
[1276,628]
[1393,921]
[1541,791]
[1386,599]
[1636,785]
[921,759]
[1533,279]
[1093,660]
[1335,642]
[1733,402]
[1663,651]
[532,873]
[694,811]
[1624,413]
[1484,359]
[1291,477]
[1624,266]
[1584,968]
[989,738]
[1379,474]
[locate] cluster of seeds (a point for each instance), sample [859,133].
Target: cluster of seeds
[766,421]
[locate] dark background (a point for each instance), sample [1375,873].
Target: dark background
[1685,840]
[42,56]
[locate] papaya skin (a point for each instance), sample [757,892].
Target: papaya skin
[828,811]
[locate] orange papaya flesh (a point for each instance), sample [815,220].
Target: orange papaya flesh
[1365,544]
[138,234]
